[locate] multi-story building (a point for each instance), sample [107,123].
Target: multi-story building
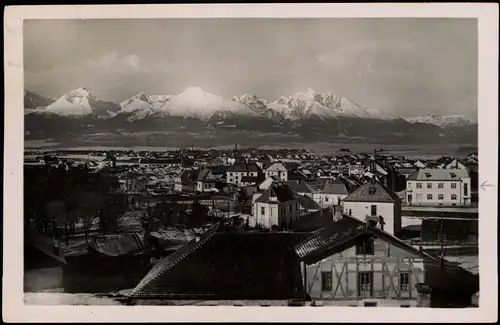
[439,187]
[187,181]
[240,169]
[374,200]
[278,206]
[282,170]
[356,261]
[331,194]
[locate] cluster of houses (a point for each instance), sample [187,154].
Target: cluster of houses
[334,226]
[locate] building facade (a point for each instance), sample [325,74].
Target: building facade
[277,207]
[331,194]
[365,265]
[240,169]
[374,200]
[435,187]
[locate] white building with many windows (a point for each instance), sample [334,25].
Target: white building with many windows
[439,187]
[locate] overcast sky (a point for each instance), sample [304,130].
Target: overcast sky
[404,67]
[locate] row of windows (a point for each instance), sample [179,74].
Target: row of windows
[242,174]
[282,210]
[440,197]
[441,185]
[365,281]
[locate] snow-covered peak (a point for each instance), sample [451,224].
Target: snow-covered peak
[312,103]
[197,103]
[81,92]
[81,102]
[441,121]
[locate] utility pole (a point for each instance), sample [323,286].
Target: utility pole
[441,228]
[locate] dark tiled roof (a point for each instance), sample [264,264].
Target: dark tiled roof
[372,191]
[407,170]
[189,175]
[299,187]
[282,192]
[203,174]
[330,240]
[216,170]
[308,203]
[291,166]
[343,234]
[149,282]
[334,187]
[249,179]
[317,185]
[238,167]
[252,167]
[232,266]
[313,221]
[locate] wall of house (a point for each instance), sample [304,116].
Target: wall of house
[235,177]
[43,279]
[277,214]
[386,265]
[204,186]
[283,175]
[419,196]
[326,200]
[389,211]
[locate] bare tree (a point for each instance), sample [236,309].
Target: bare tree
[90,205]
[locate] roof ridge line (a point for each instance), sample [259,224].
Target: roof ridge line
[181,257]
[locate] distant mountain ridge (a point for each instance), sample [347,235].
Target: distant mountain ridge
[304,115]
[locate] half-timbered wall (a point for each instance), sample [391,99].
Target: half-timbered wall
[384,268]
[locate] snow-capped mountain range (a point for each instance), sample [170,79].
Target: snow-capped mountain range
[441,121]
[196,115]
[197,103]
[79,102]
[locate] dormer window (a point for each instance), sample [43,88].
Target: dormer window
[372,190]
[365,248]
[453,175]
[428,175]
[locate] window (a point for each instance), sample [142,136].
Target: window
[326,281]
[466,189]
[373,210]
[440,196]
[326,198]
[365,248]
[453,185]
[454,197]
[429,185]
[419,185]
[429,196]
[365,281]
[440,185]
[262,210]
[404,281]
